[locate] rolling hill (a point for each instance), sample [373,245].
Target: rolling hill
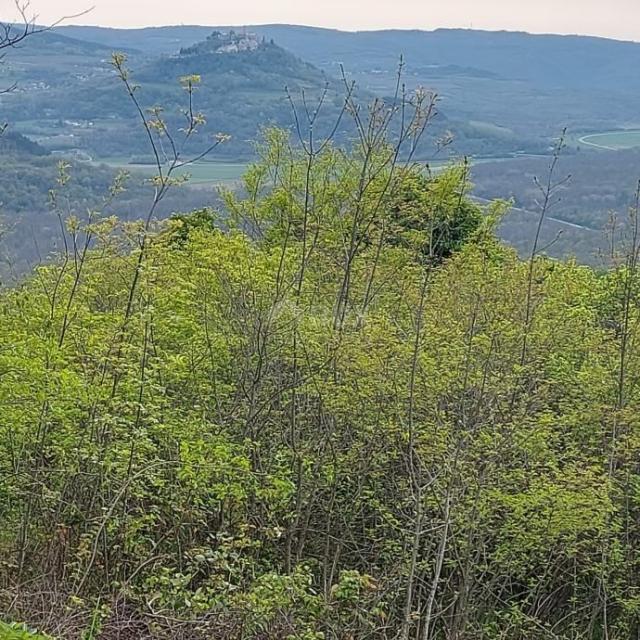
[532,84]
[243,79]
[241,90]
[54,59]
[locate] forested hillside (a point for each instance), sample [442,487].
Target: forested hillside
[602,184]
[348,413]
[248,81]
[534,84]
[325,404]
[30,224]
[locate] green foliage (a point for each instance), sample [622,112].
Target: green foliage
[433,214]
[18,632]
[352,413]
[187,223]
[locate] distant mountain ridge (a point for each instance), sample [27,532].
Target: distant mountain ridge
[489,49]
[239,92]
[521,81]
[56,41]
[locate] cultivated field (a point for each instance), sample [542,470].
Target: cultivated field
[200,173]
[613,140]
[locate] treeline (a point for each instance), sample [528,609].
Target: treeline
[14,144]
[352,413]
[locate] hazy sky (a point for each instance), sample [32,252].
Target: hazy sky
[611,18]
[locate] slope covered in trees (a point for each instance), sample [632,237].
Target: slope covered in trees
[350,414]
[533,84]
[29,221]
[334,407]
[244,87]
[602,183]
[16,145]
